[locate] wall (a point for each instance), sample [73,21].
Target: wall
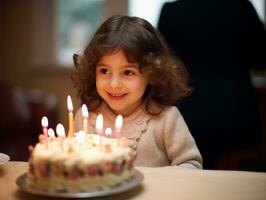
[20,40]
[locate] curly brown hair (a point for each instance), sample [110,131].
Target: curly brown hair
[141,43]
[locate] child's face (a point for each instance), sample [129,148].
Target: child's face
[120,83]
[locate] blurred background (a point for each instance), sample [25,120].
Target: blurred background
[38,39]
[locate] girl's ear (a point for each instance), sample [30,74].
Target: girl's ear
[78,61]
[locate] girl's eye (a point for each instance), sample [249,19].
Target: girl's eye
[103,71]
[129,73]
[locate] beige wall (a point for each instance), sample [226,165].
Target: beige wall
[16,52]
[19,45]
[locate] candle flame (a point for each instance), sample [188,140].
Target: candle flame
[51,132]
[81,136]
[108,132]
[99,123]
[119,122]
[44,122]
[84,111]
[69,103]
[60,130]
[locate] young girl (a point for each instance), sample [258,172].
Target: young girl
[127,69]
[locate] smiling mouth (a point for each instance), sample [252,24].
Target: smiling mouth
[116,96]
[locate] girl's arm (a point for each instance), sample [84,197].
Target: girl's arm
[179,144]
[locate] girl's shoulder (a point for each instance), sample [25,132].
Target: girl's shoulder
[168,115]
[155,107]
[170,112]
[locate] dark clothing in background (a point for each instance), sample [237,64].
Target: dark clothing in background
[219,42]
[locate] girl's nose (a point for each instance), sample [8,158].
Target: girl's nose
[115,82]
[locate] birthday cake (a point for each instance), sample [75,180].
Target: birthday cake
[74,165]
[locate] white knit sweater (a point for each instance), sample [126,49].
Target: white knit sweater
[161,140]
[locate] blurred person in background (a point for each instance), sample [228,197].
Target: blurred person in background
[219,42]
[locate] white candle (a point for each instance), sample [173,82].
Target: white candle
[51,133]
[85,115]
[44,123]
[118,126]
[70,116]
[80,137]
[96,139]
[99,124]
[60,131]
[99,128]
[108,132]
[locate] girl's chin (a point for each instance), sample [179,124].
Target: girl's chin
[119,112]
[115,108]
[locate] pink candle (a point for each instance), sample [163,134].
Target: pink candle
[60,131]
[44,123]
[118,126]
[99,124]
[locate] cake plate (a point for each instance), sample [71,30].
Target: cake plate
[107,191]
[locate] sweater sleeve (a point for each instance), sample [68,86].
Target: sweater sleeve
[179,144]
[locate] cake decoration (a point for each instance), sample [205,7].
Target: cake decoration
[79,161]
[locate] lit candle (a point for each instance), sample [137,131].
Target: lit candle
[85,115]
[80,137]
[108,132]
[70,116]
[99,129]
[118,126]
[96,139]
[51,133]
[99,124]
[44,123]
[60,131]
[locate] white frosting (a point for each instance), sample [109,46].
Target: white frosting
[75,155]
[84,153]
